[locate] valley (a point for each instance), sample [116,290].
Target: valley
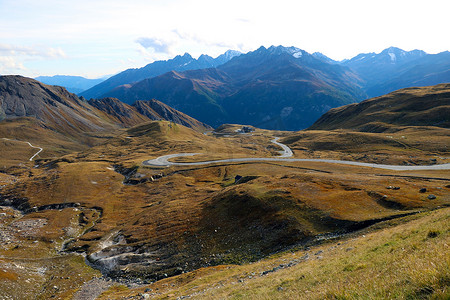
[140,224]
[192,149]
[103,199]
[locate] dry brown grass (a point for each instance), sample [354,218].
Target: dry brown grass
[401,261]
[178,214]
[412,145]
[8,275]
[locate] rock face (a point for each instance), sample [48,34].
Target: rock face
[426,106]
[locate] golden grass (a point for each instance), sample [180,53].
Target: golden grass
[411,145]
[184,207]
[401,261]
[8,275]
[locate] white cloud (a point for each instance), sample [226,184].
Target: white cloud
[43,52]
[8,65]
[98,34]
[13,57]
[157,45]
[205,42]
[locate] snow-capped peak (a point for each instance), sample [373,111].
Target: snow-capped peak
[294,51]
[297,54]
[393,57]
[229,54]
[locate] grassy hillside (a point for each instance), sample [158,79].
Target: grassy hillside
[401,259]
[225,230]
[182,219]
[426,106]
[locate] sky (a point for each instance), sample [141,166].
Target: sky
[94,38]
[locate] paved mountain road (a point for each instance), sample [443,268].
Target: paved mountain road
[163,161]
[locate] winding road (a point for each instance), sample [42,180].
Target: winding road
[163,161]
[31,158]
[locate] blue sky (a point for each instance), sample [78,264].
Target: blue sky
[93,38]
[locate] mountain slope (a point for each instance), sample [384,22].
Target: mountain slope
[179,63]
[118,111]
[425,106]
[53,105]
[195,93]
[278,87]
[156,110]
[144,111]
[54,109]
[74,84]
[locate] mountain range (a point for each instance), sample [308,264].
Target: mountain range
[74,84]
[276,87]
[394,68]
[178,63]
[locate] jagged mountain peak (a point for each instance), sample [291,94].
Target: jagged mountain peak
[227,56]
[294,51]
[399,55]
[179,63]
[232,53]
[393,49]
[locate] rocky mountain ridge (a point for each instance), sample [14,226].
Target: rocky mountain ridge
[178,63]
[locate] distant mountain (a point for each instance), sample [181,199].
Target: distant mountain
[395,68]
[179,63]
[376,68]
[74,84]
[422,106]
[428,70]
[56,109]
[277,88]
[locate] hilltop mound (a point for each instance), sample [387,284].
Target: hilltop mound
[422,106]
